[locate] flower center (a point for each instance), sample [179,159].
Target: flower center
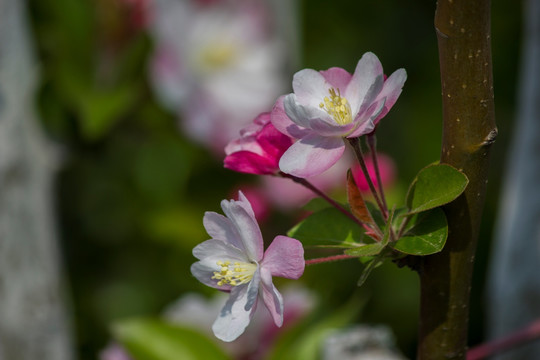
[217,56]
[234,274]
[338,107]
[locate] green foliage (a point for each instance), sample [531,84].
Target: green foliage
[305,340]
[434,186]
[152,339]
[425,233]
[327,227]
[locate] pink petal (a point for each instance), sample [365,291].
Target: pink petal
[272,298]
[273,142]
[312,155]
[310,87]
[366,73]
[283,123]
[366,119]
[391,90]
[250,163]
[284,258]
[337,77]
[241,215]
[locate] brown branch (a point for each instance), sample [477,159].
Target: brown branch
[463,32]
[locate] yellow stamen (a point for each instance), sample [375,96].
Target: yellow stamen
[338,107]
[237,274]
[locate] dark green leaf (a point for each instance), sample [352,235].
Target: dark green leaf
[152,339]
[327,227]
[425,234]
[435,185]
[377,260]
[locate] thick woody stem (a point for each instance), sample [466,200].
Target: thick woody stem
[463,32]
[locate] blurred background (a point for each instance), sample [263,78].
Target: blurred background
[138,99]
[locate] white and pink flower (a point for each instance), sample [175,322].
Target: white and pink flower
[234,260]
[217,64]
[329,106]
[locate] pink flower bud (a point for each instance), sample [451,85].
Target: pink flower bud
[258,149]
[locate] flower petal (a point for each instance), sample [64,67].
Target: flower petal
[310,87]
[366,119]
[218,249]
[283,123]
[337,77]
[325,129]
[391,91]
[221,228]
[272,298]
[303,115]
[241,215]
[234,317]
[366,72]
[284,258]
[250,163]
[312,155]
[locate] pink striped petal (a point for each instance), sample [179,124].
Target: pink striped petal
[312,155]
[284,258]
[337,77]
[272,298]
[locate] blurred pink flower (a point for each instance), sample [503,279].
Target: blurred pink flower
[258,149]
[285,194]
[331,105]
[216,63]
[234,260]
[387,171]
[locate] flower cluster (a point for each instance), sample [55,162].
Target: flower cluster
[303,136]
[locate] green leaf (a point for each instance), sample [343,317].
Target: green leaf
[316,204]
[434,186]
[377,260]
[327,227]
[366,250]
[424,234]
[152,339]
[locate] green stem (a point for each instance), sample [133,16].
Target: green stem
[463,33]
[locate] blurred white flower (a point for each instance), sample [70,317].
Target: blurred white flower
[217,64]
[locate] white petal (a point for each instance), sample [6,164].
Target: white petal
[365,75]
[247,227]
[235,316]
[221,228]
[310,87]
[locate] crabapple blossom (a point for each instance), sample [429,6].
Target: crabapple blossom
[234,260]
[258,149]
[217,64]
[328,106]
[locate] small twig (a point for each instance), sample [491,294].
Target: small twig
[328,199]
[371,140]
[355,144]
[329,259]
[529,333]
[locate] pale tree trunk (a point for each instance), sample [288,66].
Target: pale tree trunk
[33,317]
[514,292]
